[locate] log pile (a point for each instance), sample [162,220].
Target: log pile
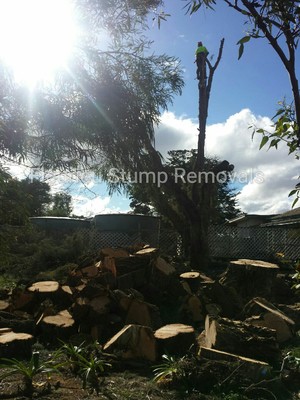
[136,303]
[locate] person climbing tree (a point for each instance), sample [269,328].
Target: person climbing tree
[201,54]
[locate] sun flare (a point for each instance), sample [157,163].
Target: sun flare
[37,37]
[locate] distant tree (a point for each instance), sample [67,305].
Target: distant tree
[61,205]
[36,195]
[149,198]
[13,208]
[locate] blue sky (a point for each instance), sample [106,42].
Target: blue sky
[256,81]
[244,92]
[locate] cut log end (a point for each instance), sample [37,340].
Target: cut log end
[44,287]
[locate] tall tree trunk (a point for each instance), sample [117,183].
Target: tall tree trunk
[195,207]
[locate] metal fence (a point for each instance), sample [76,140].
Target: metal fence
[224,241]
[253,242]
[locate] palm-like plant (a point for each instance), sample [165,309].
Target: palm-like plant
[28,370]
[85,362]
[167,370]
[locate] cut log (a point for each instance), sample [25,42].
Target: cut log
[44,287]
[100,305]
[59,326]
[90,272]
[133,342]
[5,330]
[142,313]
[135,279]
[4,305]
[175,338]
[250,278]
[213,309]
[149,251]
[192,309]
[192,279]
[15,344]
[62,320]
[241,338]
[293,312]
[89,309]
[223,296]
[164,267]
[260,312]
[254,369]
[17,323]
[22,300]
[67,289]
[115,253]
[108,263]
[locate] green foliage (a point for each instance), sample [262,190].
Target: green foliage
[146,198]
[241,42]
[285,129]
[32,251]
[86,361]
[167,370]
[7,282]
[61,205]
[13,208]
[28,370]
[36,196]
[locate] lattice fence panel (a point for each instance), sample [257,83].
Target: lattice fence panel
[100,239]
[170,243]
[253,242]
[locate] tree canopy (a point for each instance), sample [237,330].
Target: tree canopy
[145,199]
[102,111]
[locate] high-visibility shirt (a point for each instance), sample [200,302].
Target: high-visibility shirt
[201,49]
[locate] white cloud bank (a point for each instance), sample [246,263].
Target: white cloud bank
[266,176]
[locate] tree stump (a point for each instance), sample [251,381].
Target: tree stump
[175,338]
[192,309]
[242,339]
[14,344]
[260,312]
[51,290]
[59,326]
[164,267]
[192,279]
[250,278]
[133,342]
[142,313]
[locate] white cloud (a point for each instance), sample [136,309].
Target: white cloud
[267,176]
[89,207]
[175,133]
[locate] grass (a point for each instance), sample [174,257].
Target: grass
[28,370]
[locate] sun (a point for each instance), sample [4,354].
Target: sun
[37,37]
